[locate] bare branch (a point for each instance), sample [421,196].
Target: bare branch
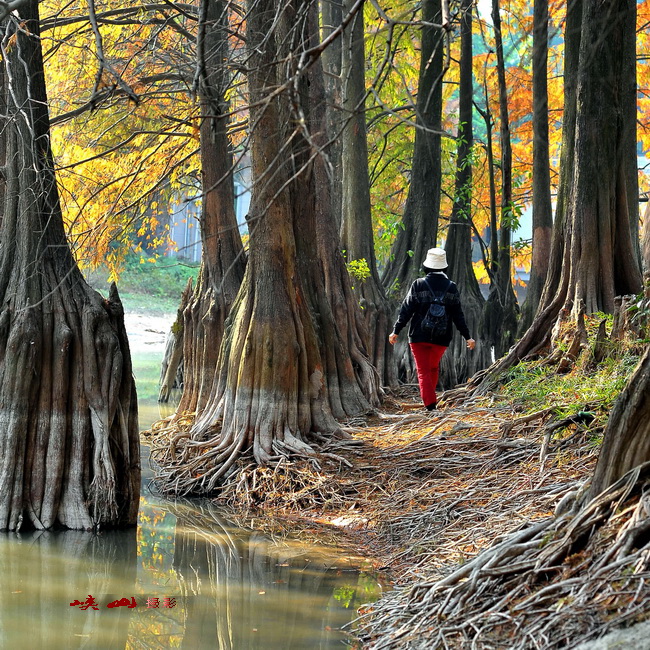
[104,65]
[8,7]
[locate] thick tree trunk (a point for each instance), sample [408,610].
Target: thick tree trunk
[356,232]
[500,319]
[626,442]
[604,260]
[593,258]
[68,413]
[344,304]
[421,212]
[223,261]
[542,209]
[459,363]
[171,370]
[272,394]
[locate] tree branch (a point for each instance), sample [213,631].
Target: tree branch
[104,65]
[7,7]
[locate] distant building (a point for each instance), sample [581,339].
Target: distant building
[184,224]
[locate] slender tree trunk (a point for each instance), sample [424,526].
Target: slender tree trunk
[421,212]
[357,233]
[459,363]
[542,209]
[500,320]
[331,18]
[223,261]
[493,242]
[272,395]
[68,416]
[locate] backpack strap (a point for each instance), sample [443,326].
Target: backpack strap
[433,293]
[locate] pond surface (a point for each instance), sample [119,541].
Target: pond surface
[186,577]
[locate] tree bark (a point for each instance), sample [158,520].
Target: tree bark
[331,18]
[542,208]
[68,415]
[459,363]
[500,319]
[421,212]
[171,370]
[343,303]
[356,232]
[223,261]
[272,395]
[626,442]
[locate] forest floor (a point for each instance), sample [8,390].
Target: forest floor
[426,493]
[427,490]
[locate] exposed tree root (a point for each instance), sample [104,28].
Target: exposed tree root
[185,465]
[548,585]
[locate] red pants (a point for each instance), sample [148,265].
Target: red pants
[427,360]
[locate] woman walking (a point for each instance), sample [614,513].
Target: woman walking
[429,344]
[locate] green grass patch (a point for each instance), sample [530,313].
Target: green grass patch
[142,302]
[146,370]
[533,385]
[146,286]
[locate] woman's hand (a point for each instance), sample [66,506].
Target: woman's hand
[471,344]
[392,338]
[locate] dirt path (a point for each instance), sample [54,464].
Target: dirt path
[425,491]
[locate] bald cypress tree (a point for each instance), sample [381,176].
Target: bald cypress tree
[68,413]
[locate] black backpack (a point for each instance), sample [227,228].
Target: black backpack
[435,321]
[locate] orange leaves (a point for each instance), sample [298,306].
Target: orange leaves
[643,75]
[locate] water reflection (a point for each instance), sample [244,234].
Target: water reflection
[244,589]
[43,572]
[186,578]
[151,410]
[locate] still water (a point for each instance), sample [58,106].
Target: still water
[186,577]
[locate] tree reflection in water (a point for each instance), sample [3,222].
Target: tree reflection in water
[245,589]
[235,588]
[42,572]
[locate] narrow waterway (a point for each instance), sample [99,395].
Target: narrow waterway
[186,577]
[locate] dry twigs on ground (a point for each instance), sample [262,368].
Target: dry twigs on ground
[549,585]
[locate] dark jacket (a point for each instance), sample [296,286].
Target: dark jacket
[416,305]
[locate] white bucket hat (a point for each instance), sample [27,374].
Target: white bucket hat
[436,259]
